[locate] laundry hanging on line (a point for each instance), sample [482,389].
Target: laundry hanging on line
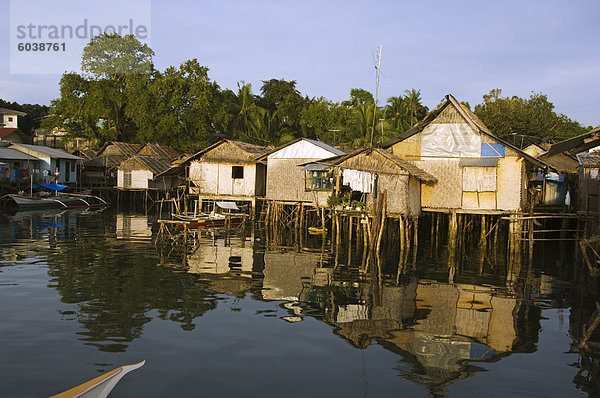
[361,181]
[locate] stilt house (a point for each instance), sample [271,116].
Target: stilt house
[367,173]
[55,164]
[589,164]
[102,169]
[475,170]
[228,170]
[147,169]
[286,182]
[554,185]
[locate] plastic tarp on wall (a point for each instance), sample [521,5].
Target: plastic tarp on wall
[450,141]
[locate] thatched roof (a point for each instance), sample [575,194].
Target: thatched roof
[470,118]
[562,162]
[377,160]
[118,148]
[155,164]
[87,152]
[112,154]
[106,162]
[230,151]
[159,150]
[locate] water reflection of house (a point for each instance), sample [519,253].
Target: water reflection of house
[287,275]
[133,226]
[213,259]
[227,269]
[435,326]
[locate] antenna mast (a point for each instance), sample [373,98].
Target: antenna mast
[378,67]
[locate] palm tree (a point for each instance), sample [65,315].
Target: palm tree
[396,113]
[413,102]
[243,109]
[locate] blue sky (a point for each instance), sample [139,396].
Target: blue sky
[465,48]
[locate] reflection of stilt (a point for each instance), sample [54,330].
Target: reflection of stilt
[482,243]
[415,241]
[452,230]
[592,327]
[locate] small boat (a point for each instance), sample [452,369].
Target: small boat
[212,219]
[100,386]
[55,201]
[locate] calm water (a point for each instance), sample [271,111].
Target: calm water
[84,292]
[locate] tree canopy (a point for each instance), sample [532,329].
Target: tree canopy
[524,121]
[120,96]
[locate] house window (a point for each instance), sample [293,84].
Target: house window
[318,180]
[127,179]
[72,166]
[10,119]
[237,172]
[479,179]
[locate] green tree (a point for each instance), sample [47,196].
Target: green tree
[112,56]
[523,121]
[181,107]
[243,109]
[284,101]
[359,96]
[94,105]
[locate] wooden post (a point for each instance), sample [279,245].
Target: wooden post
[432,234]
[415,240]
[302,225]
[350,222]
[482,243]
[452,230]
[402,240]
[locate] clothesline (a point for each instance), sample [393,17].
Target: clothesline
[361,181]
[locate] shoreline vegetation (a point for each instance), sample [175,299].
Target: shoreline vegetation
[122,97]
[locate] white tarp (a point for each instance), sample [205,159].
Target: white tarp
[360,181]
[304,150]
[450,141]
[227,205]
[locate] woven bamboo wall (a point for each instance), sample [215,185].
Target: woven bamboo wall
[510,183]
[285,182]
[447,192]
[414,198]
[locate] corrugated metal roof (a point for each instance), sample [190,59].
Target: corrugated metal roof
[155,164]
[591,159]
[316,167]
[4,131]
[325,146]
[478,162]
[6,111]
[13,154]
[52,152]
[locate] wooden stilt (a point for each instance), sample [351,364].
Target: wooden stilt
[415,241]
[452,230]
